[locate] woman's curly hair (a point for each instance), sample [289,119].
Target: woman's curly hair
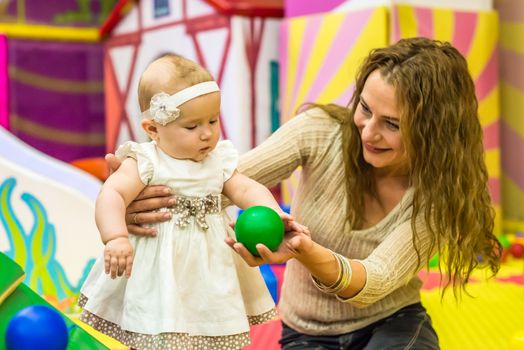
[442,139]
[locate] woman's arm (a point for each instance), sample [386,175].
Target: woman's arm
[323,265]
[319,260]
[277,157]
[392,264]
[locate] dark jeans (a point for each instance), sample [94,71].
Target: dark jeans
[408,328]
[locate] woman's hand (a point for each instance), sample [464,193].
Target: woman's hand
[142,210]
[296,241]
[291,225]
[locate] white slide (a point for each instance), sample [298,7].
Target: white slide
[46,217]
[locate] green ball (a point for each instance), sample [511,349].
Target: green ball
[434,261]
[504,240]
[259,224]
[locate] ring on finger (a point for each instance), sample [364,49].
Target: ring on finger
[134,218]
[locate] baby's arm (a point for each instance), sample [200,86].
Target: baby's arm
[246,192]
[116,193]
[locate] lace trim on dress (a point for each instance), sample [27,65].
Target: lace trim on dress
[263,318]
[171,341]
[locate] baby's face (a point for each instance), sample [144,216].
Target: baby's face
[196,132]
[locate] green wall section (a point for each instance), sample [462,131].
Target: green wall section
[24,296]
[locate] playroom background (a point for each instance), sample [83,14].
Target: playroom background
[68,76]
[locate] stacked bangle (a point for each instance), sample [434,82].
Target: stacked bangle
[343,280]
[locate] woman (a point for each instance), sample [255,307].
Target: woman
[386,183]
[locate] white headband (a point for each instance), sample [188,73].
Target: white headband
[164,107]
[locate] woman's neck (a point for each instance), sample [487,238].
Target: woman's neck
[388,192]
[400,181]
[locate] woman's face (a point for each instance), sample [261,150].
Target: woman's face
[377,119]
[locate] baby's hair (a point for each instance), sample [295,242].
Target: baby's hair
[177,73]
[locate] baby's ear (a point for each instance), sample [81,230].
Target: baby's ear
[150,128]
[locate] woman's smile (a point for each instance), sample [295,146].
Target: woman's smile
[374,149]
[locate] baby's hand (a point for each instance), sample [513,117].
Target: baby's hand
[296,241]
[291,225]
[118,257]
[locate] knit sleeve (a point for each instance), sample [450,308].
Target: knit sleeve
[393,263]
[296,143]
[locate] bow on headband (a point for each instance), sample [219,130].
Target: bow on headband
[163,107]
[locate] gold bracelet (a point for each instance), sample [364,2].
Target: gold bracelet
[328,289]
[346,276]
[343,280]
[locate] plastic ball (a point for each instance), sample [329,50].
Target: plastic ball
[517,250]
[259,224]
[434,261]
[37,327]
[504,241]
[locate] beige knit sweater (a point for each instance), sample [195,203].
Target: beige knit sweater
[313,140]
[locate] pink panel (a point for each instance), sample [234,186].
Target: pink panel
[345,96]
[425,21]
[310,34]
[494,189]
[265,336]
[343,42]
[512,68]
[278,270]
[512,161]
[489,77]
[284,59]
[4,108]
[465,27]
[293,8]
[395,25]
[510,11]
[491,135]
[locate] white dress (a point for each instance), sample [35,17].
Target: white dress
[188,289]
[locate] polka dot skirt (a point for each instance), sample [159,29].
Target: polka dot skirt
[171,341]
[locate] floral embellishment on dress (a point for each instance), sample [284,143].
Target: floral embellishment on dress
[197,207]
[163,108]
